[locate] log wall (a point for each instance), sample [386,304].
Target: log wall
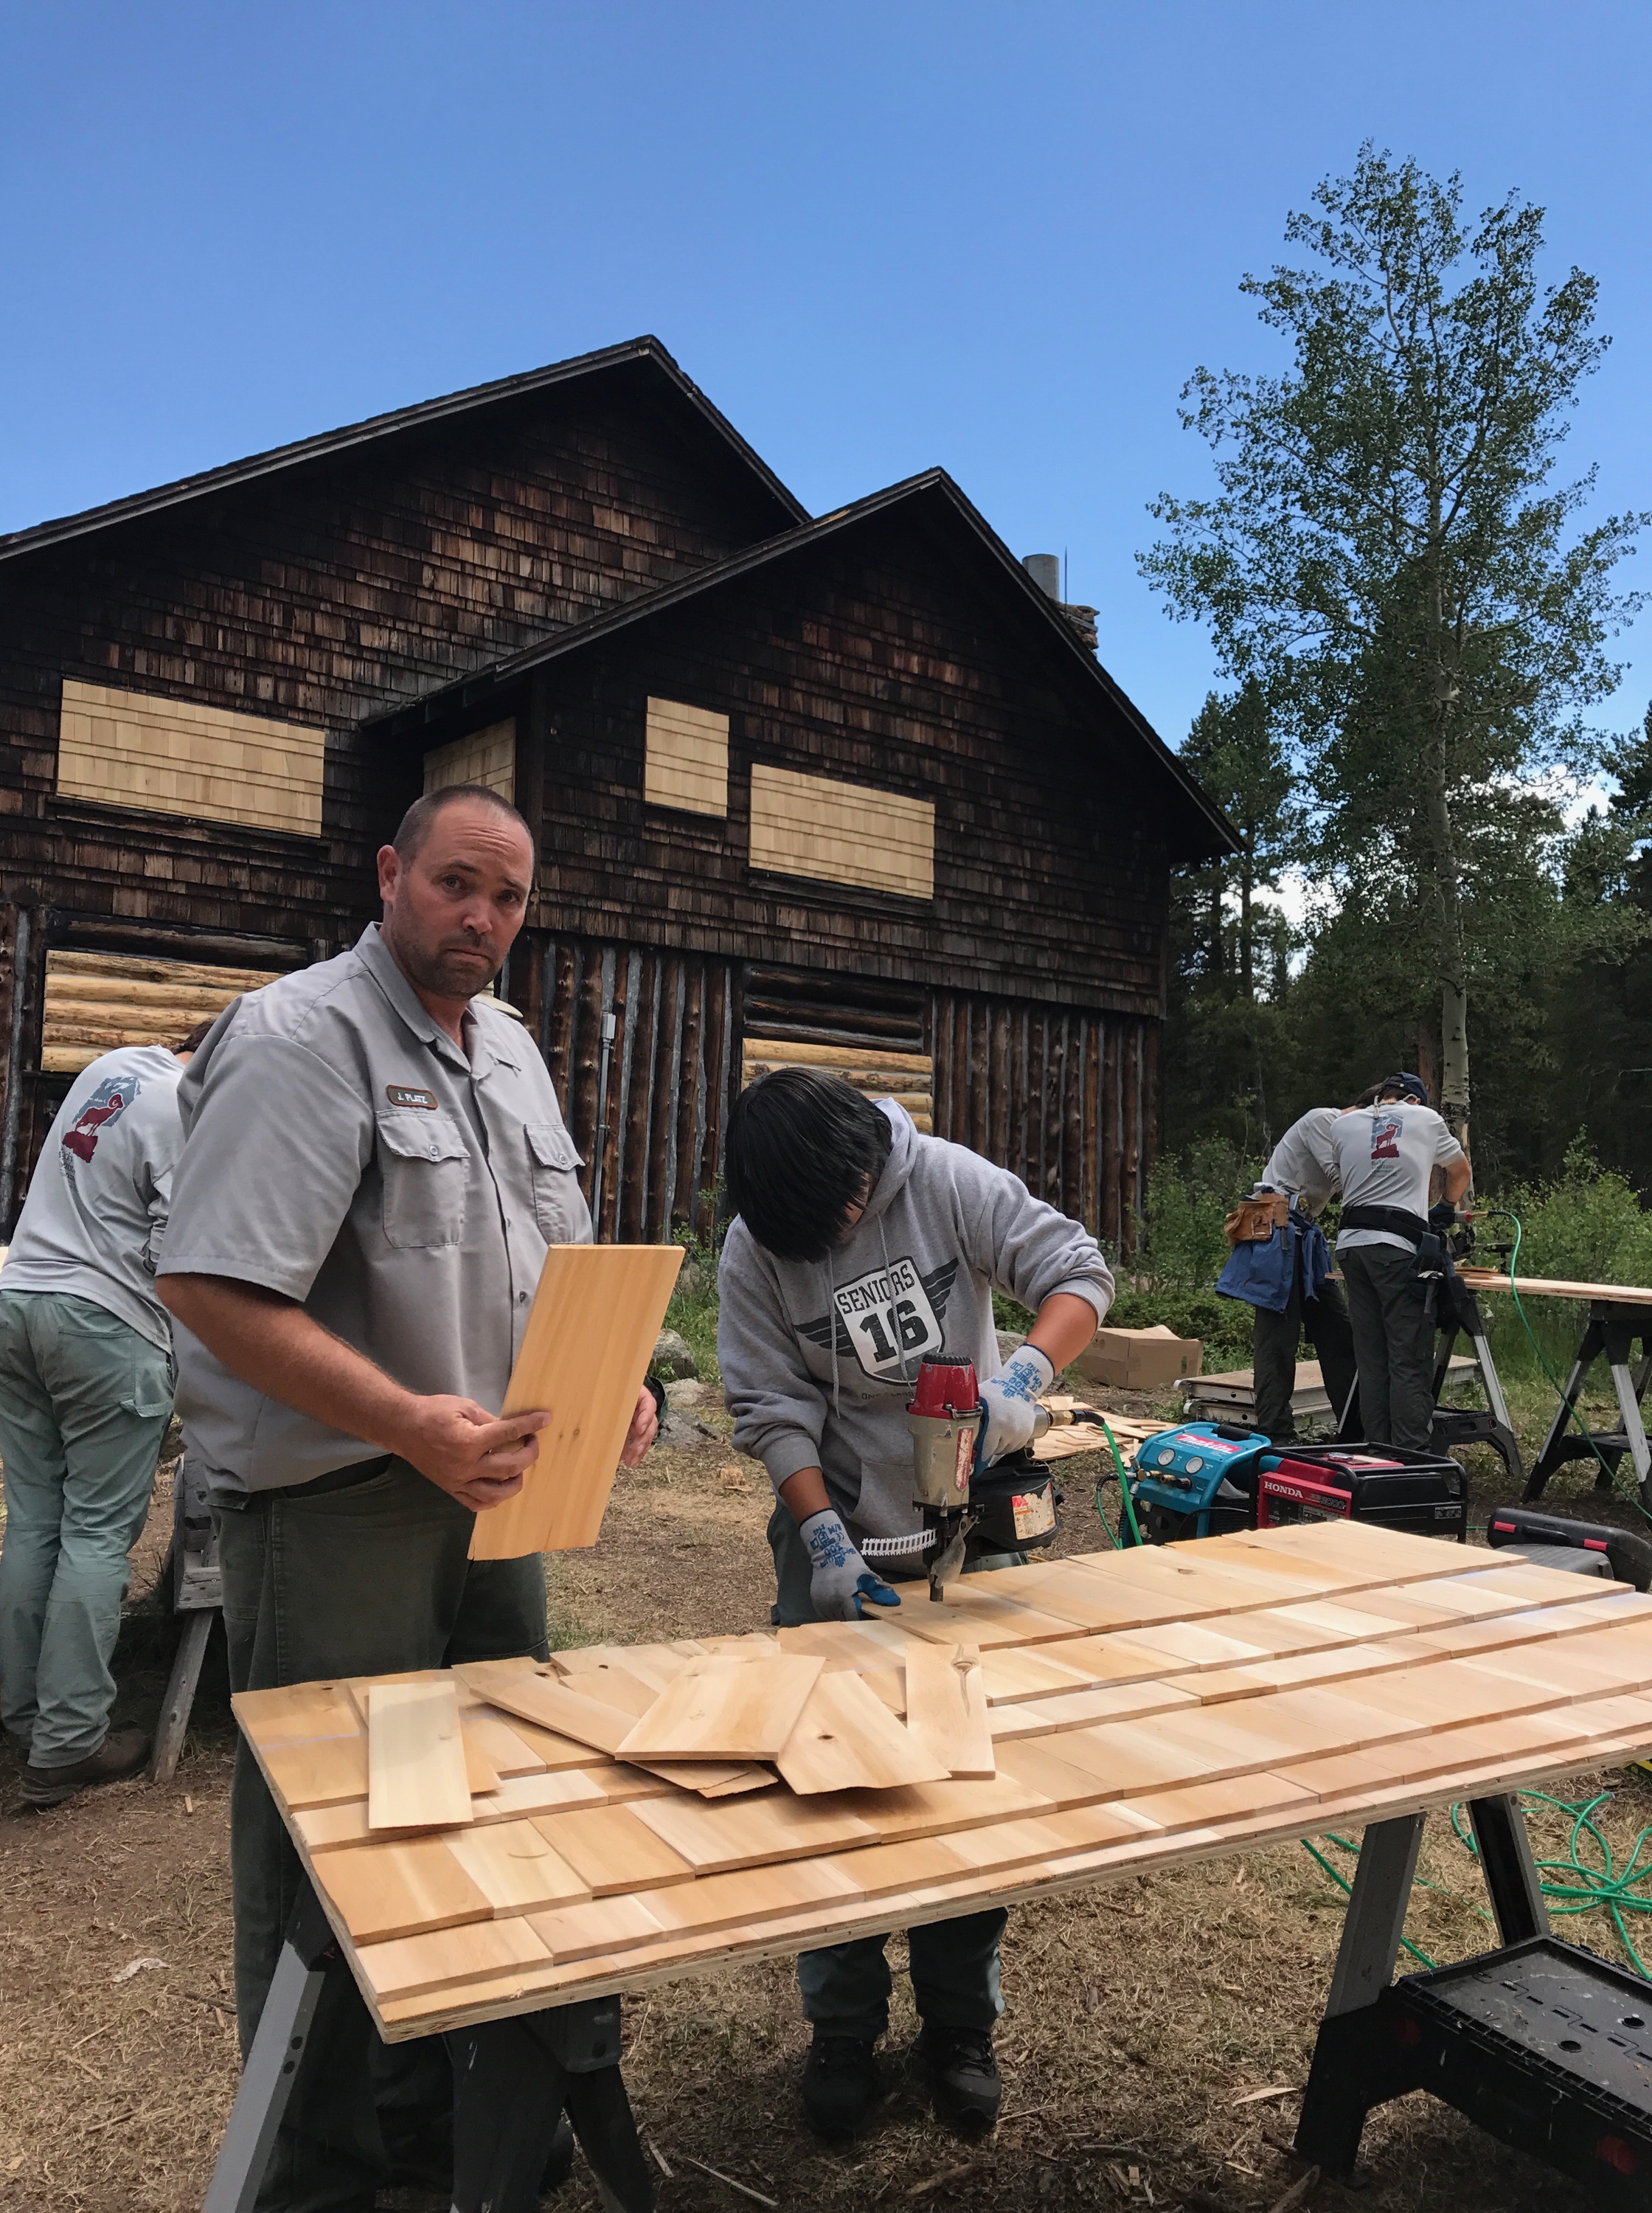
[1064,1098]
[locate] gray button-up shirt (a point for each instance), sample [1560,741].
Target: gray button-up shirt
[341,1149]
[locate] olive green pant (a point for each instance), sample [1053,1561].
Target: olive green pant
[363,1572]
[84,1404]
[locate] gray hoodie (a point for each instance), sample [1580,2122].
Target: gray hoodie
[942,1228]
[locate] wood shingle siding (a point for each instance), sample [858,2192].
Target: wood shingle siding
[846,784]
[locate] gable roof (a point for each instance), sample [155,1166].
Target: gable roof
[645,356]
[1205,830]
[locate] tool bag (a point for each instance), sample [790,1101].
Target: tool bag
[1254,1221]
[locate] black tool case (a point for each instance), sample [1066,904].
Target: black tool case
[1543,2046]
[1425,1493]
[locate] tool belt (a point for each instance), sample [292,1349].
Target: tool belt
[1254,1221]
[1432,1259]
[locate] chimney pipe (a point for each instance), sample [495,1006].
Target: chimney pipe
[1044,570]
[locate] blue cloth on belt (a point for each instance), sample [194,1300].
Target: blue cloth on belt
[1261,1273]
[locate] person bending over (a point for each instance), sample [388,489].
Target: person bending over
[860,1248]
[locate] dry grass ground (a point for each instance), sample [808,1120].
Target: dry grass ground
[1138,2017]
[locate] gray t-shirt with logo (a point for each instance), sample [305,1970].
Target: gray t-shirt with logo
[342,1150]
[1304,1161]
[96,1208]
[1385,1155]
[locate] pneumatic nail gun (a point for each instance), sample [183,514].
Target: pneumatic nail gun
[1008,1507]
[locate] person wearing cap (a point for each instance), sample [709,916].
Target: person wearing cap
[1385,1155]
[860,1248]
[86,1385]
[374,1167]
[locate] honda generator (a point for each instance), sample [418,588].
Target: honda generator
[1424,1493]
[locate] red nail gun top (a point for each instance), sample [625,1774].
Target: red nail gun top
[946,1388]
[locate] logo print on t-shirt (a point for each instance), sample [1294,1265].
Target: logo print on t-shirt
[888,1319]
[1384,1136]
[107,1104]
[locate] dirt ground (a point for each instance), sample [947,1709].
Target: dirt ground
[1140,2019]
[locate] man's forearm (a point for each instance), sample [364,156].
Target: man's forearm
[270,1343]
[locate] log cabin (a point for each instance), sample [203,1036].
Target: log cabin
[852,789]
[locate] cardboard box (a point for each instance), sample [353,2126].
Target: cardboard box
[1139,1359]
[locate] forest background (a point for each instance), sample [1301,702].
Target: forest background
[1444,865]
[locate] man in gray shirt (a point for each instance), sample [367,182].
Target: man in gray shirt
[375,1164]
[85,1398]
[1384,1155]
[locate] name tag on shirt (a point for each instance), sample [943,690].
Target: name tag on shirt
[410,1095]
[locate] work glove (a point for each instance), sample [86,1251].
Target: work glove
[1009,1404]
[840,1582]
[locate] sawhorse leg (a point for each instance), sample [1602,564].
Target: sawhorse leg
[1555,1453]
[179,1703]
[512,2081]
[1353,2068]
[309,1953]
[1629,1389]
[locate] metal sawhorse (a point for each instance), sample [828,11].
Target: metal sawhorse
[1548,2078]
[1615,1326]
[512,2081]
[1455,1426]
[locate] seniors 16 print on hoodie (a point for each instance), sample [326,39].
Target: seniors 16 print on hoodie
[819,1358]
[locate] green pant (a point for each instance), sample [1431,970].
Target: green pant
[1391,1307]
[84,1404]
[363,1572]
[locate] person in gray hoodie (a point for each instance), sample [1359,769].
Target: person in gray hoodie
[859,1248]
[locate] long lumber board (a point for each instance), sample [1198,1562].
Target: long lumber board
[1383,1675]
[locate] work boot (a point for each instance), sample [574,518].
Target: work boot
[965,2085]
[123,1751]
[841,2085]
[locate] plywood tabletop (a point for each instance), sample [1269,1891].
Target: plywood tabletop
[1553,1287]
[1144,1708]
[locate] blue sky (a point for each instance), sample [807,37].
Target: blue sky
[993,236]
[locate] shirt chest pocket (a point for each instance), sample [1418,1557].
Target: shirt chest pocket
[424,1165]
[554,1164]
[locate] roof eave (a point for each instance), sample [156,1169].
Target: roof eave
[233,474]
[463,692]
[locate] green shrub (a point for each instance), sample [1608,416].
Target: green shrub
[1183,1244]
[1225,1325]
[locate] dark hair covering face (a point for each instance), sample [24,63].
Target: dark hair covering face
[802,1148]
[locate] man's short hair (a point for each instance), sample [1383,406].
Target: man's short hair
[415,827]
[803,1147]
[196,1037]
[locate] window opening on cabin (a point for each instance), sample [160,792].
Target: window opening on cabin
[842,833]
[169,756]
[687,765]
[487,757]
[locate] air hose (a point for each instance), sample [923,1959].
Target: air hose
[1582,1882]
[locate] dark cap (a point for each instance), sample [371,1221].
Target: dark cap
[1404,1086]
